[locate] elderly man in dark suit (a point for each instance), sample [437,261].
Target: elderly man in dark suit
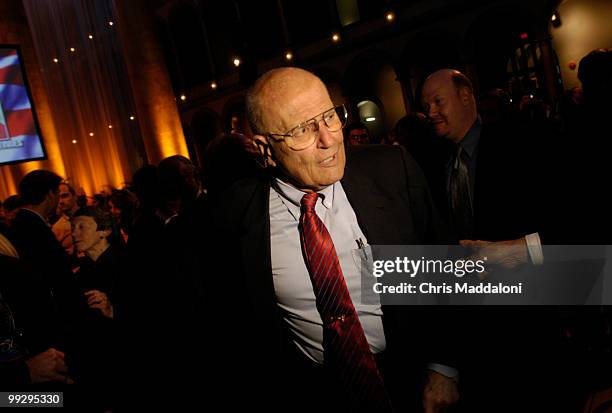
[286,245]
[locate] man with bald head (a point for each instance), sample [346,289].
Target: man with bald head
[495,192]
[449,101]
[492,175]
[288,244]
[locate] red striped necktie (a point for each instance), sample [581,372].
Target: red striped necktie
[345,349]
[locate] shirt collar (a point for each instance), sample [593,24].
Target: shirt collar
[294,195]
[470,142]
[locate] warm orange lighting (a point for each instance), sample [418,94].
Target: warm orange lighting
[90,36]
[72,49]
[183,98]
[91,134]
[110,126]
[74,141]
[132,117]
[55,60]
[236,61]
[213,85]
[336,37]
[390,16]
[289,56]
[110,23]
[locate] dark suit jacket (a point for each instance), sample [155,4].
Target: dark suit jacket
[516,186]
[38,247]
[515,170]
[37,325]
[393,207]
[515,194]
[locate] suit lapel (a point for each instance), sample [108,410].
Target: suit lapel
[367,202]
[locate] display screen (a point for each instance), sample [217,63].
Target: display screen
[20,138]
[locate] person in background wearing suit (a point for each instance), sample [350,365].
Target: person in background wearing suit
[34,285]
[284,244]
[488,173]
[37,247]
[495,197]
[31,234]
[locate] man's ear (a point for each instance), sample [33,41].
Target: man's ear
[263,148]
[466,96]
[106,233]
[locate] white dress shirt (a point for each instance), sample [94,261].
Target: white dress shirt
[292,284]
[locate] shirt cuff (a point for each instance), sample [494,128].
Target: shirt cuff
[534,246]
[447,371]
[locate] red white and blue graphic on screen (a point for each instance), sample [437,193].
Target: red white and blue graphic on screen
[19,137]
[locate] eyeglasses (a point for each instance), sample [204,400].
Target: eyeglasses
[305,134]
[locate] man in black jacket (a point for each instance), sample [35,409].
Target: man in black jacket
[273,326]
[497,198]
[38,248]
[30,232]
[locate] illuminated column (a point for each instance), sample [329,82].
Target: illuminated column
[156,108]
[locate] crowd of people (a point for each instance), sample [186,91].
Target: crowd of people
[239,284]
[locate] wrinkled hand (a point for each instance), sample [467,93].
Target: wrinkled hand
[505,254]
[440,392]
[98,299]
[48,366]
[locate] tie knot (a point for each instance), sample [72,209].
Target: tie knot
[309,201]
[460,157]
[459,151]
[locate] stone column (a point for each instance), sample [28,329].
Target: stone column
[157,113]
